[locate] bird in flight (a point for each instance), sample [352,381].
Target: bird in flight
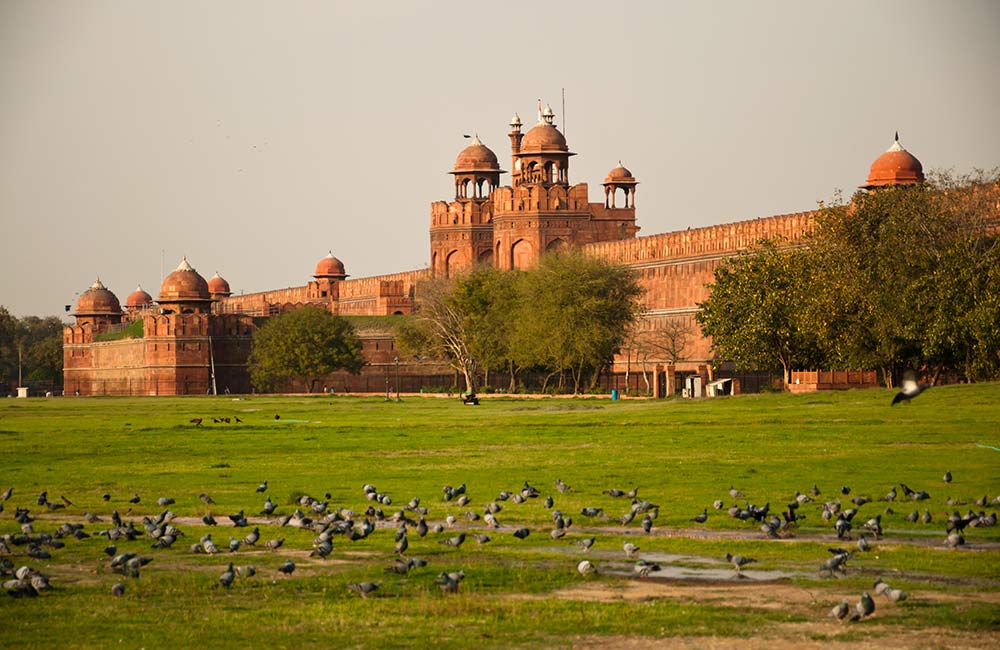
[909,389]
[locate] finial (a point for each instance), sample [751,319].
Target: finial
[897,136]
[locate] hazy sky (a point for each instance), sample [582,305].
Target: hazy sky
[253,137]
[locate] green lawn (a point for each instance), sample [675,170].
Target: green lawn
[682,455]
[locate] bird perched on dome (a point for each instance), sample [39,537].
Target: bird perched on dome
[909,388]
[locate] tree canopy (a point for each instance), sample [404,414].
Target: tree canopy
[38,342]
[755,311]
[303,344]
[900,277]
[570,314]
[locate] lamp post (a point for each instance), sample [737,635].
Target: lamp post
[397,378]
[387,383]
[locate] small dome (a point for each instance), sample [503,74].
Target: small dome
[217,285]
[98,300]
[138,299]
[184,284]
[330,267]
[543,137]
[476,157]
[619,174]
[896,166]
[516,120]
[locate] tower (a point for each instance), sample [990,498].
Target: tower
[540,211]
[462,229]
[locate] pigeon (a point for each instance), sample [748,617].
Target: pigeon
[208,520]
[865,606]
[585,568]
[954,540]
[909,388]
[896,595]
[863,544]
[718,504]
[702,518]
[135,498]
[226,579]
[585,544]
[269,507]
[630,549]
[363,588]
[482,539]
[288,567]
[118,589]
[739,561]
[262,487]
[246,571]
[252,538]
[643,568]
[274,544]
[447,583]
[6,494]
[840,611]
[947,477]
[455,541]
[736,494]
[521,533]
[562,487]
[549,502]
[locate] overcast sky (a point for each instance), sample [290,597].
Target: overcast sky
[253,137]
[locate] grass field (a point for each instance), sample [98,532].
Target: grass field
[681,455]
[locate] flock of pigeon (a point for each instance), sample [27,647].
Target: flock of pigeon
[328,522]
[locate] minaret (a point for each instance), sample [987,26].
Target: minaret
[515,136]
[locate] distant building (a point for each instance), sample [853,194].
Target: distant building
[195,338]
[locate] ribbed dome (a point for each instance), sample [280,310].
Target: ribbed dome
[217,285]
[543,137]
[98,300]
[138,299]
[619,173]
[896,166]
[330,267]
[476,157]
[184,284]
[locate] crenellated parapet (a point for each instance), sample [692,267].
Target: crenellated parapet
[720,240]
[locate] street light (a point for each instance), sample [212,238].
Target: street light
[397,378]
[387,383]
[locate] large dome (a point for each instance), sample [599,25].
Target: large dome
[184,284]
[543,137]
[477,157]
[217,285]
[896,166]
[330,267]
[98,300]
[138,299]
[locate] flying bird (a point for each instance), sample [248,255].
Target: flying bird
[909,389]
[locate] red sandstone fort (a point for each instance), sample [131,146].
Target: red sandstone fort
[195,337]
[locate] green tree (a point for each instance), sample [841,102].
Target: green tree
[42,355]
[465,320]
[574,315]
[8,348]
[30,346]
[306,343]
[755,313]
[905,277]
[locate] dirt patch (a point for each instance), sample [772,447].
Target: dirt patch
[809,636]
